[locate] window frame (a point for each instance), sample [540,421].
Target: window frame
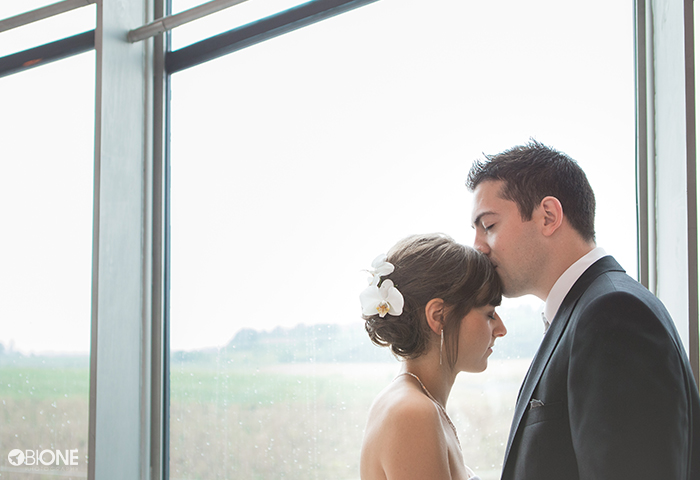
[666,162]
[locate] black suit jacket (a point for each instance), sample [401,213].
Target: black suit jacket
[610,393]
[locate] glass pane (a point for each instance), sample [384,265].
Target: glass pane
[46,186]
[228,19]
[44,31]
[295,162]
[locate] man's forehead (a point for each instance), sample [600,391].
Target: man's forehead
[490,188]
[487,200]
[486,194]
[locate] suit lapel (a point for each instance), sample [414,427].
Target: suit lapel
[549,342]
[551,339]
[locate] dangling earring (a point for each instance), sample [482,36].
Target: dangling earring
[442,342]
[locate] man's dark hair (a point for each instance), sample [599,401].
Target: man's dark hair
[533,171]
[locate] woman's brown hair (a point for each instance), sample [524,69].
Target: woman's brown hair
[427,267]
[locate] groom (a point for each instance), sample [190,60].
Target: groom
[610,393]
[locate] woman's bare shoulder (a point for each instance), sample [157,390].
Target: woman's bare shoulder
[404,434]
[400,401]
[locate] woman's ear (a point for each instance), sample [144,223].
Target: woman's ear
[435,314]
[553,215]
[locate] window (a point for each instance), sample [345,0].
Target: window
[46,193]
[296,161]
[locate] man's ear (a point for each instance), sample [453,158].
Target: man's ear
[552,215]
[435,314]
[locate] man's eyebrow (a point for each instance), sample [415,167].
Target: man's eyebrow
[478,218]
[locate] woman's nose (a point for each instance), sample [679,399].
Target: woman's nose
[500,329]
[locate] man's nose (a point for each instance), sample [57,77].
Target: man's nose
[481,245]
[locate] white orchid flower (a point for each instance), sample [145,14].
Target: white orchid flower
[382,300]
[380,268]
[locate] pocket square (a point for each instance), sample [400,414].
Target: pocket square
[540,412]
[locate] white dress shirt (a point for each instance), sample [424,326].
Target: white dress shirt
[566,281]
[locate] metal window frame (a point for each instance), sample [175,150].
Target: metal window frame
[169,22]
[666,162]
[50,52]
[257,32]
[125,361]
[42,13]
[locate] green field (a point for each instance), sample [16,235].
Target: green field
[284,404]
[44,406]
[290,421]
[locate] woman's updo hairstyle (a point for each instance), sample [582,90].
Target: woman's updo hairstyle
[427,267]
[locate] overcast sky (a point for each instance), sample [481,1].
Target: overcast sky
[297,161]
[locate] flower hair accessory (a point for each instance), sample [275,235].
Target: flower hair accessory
[384,298]
[380,268]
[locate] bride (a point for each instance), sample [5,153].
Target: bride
[432,301]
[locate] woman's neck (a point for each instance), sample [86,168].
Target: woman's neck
[438,379]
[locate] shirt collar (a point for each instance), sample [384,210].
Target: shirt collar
[567,280]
